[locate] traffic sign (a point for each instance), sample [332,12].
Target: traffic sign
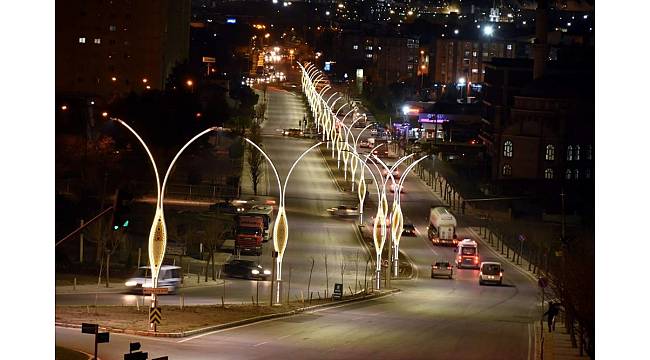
[136,356]
[134,346]
[338,291]
[102,337]
[157,291]
[89,328]
[155,315]
[542,282]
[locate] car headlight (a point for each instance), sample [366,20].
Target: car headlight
[130,283]
[267,272]
[255,271]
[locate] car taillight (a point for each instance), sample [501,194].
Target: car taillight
[475,259]
[448,267]
[501,273]
[435,267]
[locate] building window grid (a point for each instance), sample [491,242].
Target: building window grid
[550,152]
[507,170]
[507,148]
[548,173]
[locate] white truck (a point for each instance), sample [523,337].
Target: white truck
[442,226]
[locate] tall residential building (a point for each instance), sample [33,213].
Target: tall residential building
[466,58]
[107,48]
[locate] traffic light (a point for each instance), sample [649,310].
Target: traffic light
[122,209]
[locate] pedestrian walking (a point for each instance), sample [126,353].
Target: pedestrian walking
[551,313]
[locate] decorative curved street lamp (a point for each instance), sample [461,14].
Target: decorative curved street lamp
[158,231]
[281,227]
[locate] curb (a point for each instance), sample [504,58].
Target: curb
[125,290]
[234,323]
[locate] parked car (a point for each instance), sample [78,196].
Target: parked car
[442,268]
[491,272]
[409,230]
[344,210]
[247,269]
[169,277]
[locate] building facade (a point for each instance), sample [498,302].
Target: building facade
[108,48]
[456,58]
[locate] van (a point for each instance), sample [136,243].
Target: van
[169,277]
[467,254]
[491,272]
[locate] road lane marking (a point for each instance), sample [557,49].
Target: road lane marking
[262,343]
[529,344]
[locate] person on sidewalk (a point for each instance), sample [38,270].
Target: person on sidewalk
[551,313]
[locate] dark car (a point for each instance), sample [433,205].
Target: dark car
[409,230]
[442,268]
[225,207]
[247,269]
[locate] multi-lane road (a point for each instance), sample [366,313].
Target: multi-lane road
[428,319]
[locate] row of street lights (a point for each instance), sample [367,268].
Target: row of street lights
[333,127]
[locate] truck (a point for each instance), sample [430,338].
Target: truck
[266,213]
[250,234]
[442,226]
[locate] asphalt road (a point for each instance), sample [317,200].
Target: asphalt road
[429,319]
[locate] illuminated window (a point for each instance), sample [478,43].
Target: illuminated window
[509,47]
[568,174]
[569,153]
[588,152]
[369,56]
[507,148]
[548,174]
[82,40]
[577,152]
[507,170]
[98,41]
[112,28]
[550,152]
[474,53]
[576,174]
[587,173]
[474,71]
[355,47]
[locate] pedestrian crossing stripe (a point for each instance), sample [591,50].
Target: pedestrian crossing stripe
[155,315]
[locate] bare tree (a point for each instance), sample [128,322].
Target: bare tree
[255,157]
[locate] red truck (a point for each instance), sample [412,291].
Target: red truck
[250,234]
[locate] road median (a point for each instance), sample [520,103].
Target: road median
[191,320]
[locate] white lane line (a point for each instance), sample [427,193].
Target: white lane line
[268,320]
[529,342]
[284,337]
[262,343]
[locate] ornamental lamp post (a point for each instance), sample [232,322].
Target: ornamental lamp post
[158,231]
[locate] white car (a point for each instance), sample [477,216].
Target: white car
[169,277]
[344,210]
[491,272]
[393,187]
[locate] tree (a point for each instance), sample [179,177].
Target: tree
[255,157]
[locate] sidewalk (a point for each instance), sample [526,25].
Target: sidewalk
[557,344]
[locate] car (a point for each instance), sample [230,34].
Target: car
[442,268]
[396,173]
[409,230]
[169,277]
[397,186]
[491,272]
[292,132]
[364,144]
[247,269]
[344,210]
[226,207]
